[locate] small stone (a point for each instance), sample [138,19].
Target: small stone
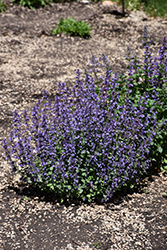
[108,4]
[84,1]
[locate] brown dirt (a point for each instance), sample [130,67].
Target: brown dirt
[31,60]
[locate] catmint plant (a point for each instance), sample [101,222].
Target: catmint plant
[98,137]
[84,145]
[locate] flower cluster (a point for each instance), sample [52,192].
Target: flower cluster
[150,76]
[84,145]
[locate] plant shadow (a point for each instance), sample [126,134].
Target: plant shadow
[24,190]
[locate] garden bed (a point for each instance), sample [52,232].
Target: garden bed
[31,60]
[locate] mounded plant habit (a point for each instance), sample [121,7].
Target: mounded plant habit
[85,145]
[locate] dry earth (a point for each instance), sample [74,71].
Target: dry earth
[32,60]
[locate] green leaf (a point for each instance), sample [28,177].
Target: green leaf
[97,90]
[50,186]
[165,160]
[88,196]
[26,198]
[80,190]
[69,187]
[160,149]
[163,169]
[51,168]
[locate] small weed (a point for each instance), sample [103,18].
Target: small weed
[96,244]
[165,193]
[72,27]
[26,198]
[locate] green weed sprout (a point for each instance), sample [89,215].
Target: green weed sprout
[72,27]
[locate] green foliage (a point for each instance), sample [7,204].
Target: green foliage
[2,6]
[130,4]
[72,27]
[152,7]
[155,7]
[32,3]
[134,5]
[163,168]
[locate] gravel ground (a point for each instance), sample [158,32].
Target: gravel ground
[32,60]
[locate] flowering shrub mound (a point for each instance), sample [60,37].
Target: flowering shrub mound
[96,138]
[77,147]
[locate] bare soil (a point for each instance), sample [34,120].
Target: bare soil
[31,60]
